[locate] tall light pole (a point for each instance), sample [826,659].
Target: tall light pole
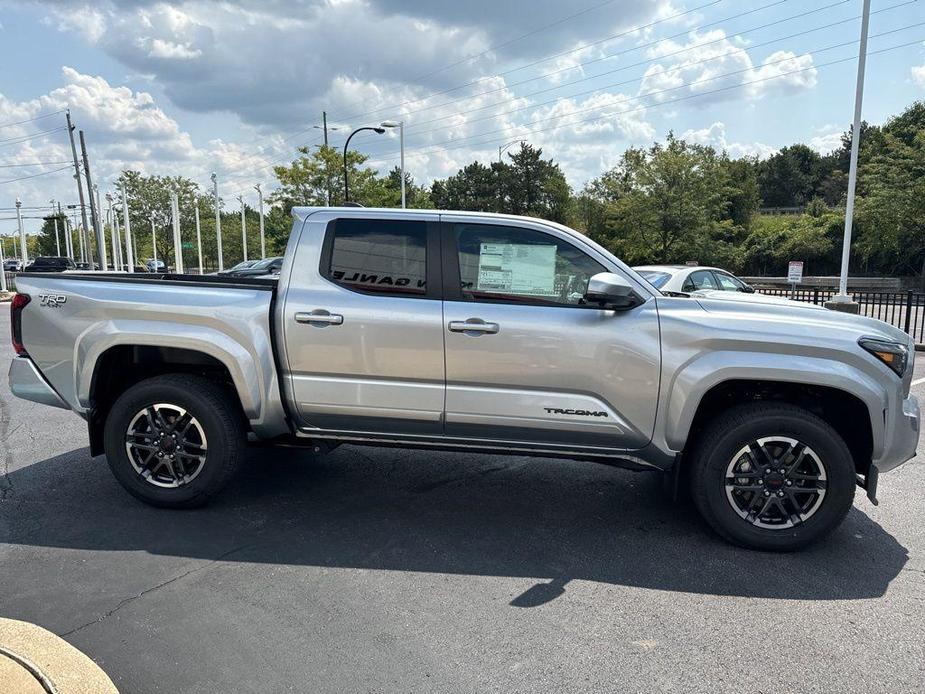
[263,242]
[378,130]
[177,238]
[154,245]
[218,221]
[129,242]
[842,301]
[198,235]
[23,251]
[401,138]
[114,236]
[68,241]
[101,235]
[243,228]
[57,237]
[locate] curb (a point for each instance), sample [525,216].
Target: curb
[37,661]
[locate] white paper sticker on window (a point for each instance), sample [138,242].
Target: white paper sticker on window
[517,268]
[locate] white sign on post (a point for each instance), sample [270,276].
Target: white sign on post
[795,272]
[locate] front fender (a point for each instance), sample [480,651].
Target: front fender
[692,381]
[246,374]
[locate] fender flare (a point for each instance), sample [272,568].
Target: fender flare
[695,379]
[93,342]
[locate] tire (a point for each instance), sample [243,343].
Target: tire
[726,483]
[198,463]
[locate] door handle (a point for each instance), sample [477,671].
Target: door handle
[473,325]
[319,315]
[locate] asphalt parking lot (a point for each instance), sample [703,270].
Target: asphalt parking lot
[387,570]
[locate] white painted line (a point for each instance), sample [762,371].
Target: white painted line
[918,381]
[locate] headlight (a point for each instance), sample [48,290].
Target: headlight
[893,354]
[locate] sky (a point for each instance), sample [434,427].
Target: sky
[188,88]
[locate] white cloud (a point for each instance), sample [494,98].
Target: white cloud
[918,76]
[720,69]
[715,136]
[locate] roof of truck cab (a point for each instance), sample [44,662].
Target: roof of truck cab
[302,213]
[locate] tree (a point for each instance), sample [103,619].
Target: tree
[316,178]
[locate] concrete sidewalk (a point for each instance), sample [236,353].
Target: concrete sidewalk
[35,661]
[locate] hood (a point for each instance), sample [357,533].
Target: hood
[798,317]
[755,297]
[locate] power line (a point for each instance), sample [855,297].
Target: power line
[585,47]
[30,120]
[24,178]
[26,138]
[644,62]
[32,163]
[672,70]
[516,39]
[649,106]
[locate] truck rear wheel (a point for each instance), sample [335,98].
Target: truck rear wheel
[772,476]
[174,441]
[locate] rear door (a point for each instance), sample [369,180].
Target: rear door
[527,360]
[363,326]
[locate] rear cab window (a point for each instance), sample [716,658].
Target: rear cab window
[388,257]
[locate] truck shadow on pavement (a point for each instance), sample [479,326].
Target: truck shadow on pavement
[378,508]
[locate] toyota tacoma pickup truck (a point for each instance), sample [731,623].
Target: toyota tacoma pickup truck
[473,332]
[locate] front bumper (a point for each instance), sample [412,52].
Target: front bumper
[27,382]
[902,438]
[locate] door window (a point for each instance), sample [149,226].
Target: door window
[728,283]
[702,279]
[377,256]
[512,264]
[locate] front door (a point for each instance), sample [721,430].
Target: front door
[364,326]
[527,359]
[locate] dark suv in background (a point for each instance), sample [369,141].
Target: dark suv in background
[50,263]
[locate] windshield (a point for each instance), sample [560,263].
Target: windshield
[656,279]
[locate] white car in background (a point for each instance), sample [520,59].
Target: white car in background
[692,278]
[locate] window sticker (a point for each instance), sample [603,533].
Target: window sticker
[517,268]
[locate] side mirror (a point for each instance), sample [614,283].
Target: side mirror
[611,291]
[748,289]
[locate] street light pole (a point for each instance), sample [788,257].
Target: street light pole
[23,251]
[263,243]
[198,235]
[177,238]
[401,138]
[57,237]
[129,242]
[843,299]
[243,228]
[218,222]
[378,130]
[154,245]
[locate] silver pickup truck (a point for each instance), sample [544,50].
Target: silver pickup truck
[473,332]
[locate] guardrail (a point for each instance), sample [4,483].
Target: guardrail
[904,309]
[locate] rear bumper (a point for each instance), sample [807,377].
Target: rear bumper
[902,437]
[27,382]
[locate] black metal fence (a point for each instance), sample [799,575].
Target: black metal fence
[904,310]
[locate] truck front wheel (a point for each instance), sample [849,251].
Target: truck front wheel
[174,441]
[772,476]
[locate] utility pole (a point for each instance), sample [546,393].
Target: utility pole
[129,242]
[23,251]
[243,227]
[263,243]
[177,239]
[324,120]
[98,232]
[198,235]
[218,221]
[842,301]
[80,190]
